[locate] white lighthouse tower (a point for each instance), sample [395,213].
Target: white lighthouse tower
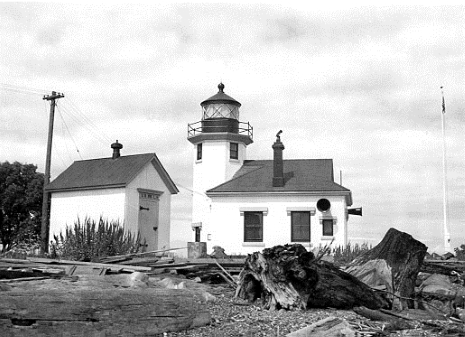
[220,141]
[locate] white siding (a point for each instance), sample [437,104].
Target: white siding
[113,204]
[67,207]
[225,225]
[213,169]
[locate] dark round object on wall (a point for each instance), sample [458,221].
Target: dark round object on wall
[323,205]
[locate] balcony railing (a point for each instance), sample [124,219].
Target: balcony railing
[219,125]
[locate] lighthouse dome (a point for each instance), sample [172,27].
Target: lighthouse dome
[220,106]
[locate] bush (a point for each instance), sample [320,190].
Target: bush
[89,241]
[460,253]
[345,255]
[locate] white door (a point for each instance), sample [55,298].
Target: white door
[148,220]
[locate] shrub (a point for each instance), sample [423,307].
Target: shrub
[344,255]
[460,253]
[89,241]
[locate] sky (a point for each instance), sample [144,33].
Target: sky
[357,84]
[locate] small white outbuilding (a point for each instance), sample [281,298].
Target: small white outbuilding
[134,190]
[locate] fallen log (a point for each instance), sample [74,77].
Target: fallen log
[404,255]
[290,277]
[328,327]
[394,322]
[442,267]
[100,312]
[89,264]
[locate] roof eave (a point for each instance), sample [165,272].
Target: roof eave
[213,194]
[84,188]
[346,194]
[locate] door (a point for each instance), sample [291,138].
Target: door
[148,220]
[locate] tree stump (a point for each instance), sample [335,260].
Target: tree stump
[404,255]
[289,277]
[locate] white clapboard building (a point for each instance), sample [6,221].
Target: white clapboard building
[246,205]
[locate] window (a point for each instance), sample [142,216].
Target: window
[233,151]
[253,226]
[199,151]
[300,226]
[328,227]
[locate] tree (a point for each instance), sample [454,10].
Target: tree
[21,189]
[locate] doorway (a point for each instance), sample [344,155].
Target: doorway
[148,219]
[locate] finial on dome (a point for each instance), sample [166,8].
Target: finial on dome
[221,86]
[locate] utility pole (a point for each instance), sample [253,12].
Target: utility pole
[46,197]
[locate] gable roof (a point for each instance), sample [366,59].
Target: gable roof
[314,176]
[108,172]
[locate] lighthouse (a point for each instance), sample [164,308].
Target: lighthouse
[219,142]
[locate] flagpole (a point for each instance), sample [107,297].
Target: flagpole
[447,247]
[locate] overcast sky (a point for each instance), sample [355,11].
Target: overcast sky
[360,85]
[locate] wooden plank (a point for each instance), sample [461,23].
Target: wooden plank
[24,279]
[224,262]
[128,256]
[93,264]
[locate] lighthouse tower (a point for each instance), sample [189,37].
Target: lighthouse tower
[220,141]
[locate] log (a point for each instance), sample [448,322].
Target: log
[394,323]
[441,267]
[328,327]
[89,264]
[100,312]
[289,277]
[404,255]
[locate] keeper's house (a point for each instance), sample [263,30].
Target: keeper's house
[134,190]
[245,205]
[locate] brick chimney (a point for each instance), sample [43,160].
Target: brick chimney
[116,147]
[278,165]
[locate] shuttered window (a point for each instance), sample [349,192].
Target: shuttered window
[300,226]
[253,226]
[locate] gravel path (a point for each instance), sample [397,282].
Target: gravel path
[236,318]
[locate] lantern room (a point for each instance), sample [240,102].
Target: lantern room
[220,114]
[220,106]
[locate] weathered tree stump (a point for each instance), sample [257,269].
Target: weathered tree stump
[100,312]
[290,277]
[404,255]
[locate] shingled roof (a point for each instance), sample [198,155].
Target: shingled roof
[108,172]
[314,176]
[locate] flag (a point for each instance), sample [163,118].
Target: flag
[443,105]
[443,102]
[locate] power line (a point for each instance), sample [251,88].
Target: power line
[23,90]
[74,112]
[75,145]
[192,191]
[65,140]
[88,120]
[95,133]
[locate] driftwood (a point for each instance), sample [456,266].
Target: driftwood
[328,327]
[394,321]
[290,277]
[404,255]
[89,264]
[442,267]
[100,312]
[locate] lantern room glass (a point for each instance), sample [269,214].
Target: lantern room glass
[220,110]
